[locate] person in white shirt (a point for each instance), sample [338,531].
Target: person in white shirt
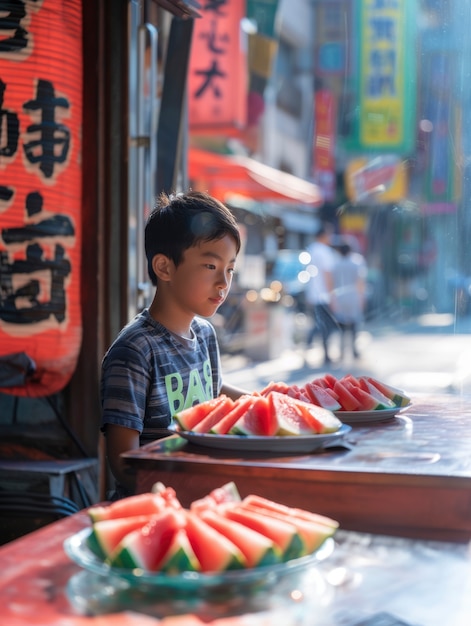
[348,295]
[318,291]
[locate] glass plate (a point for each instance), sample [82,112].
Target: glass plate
[297,443]
[77,549]
[380,415]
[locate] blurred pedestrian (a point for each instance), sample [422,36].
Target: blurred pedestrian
[318,291]
[348,295]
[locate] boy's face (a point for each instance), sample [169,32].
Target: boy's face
[201,282]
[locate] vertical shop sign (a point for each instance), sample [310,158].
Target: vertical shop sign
[324,142]
[40,194]
[387,78]
[440,142]
[217,76]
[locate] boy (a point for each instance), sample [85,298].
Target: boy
[167,358]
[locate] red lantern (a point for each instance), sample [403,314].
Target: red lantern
[40,195]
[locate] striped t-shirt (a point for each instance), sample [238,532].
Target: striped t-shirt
[149,374]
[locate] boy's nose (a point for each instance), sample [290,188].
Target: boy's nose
[224,280]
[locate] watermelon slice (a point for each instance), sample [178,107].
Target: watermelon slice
[386,403]
[228,493]
[320,420]
[258,420]
[284,534]
[107,534]
[346,398]
[272,506]
[145,548]
[329,380]
[366,400]
[141,504]
[311,532]
[291,420]
[214,416]
[241,406]
[257,549]
[188,418]
[215,552]
[300,394]
[322,396]
[180,556]
[398,397]
[281,387]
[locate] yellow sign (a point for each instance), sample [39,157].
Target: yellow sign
[382,179]
[386,71]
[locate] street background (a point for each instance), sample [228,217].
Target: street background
[426,354]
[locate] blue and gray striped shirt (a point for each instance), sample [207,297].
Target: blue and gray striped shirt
[149,374]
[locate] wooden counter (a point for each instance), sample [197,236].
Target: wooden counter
[368,579]
[409,476]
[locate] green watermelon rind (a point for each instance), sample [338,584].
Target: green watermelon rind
[94,545]
[180,556]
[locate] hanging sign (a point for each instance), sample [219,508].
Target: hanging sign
[387,75]
[217,75]
[40,193]
[323,157]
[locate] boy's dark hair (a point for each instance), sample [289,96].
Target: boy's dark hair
[181,221]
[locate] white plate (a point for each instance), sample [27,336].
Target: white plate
[297,443]
[76,547]
[380,415]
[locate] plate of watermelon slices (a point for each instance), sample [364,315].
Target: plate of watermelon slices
[361,399]
[77,548]
[264,443]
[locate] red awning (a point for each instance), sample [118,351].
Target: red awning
[229,177]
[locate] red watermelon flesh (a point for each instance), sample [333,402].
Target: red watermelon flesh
[257,549]
[320,420]
[322,396]
[346,399]
[188,418]
[329,380]
[283,533]
[384,401]
[288,511]
[312,533]
[241,405]
[228,493]
[291,420]
[141,504]
[144,548]
[320,382]
[258,420]
[398,397]
[298,393]
[281,387]
[214,416]
[366,400]
[107,534]
[215,552]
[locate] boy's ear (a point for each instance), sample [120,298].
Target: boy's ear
[162,267]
